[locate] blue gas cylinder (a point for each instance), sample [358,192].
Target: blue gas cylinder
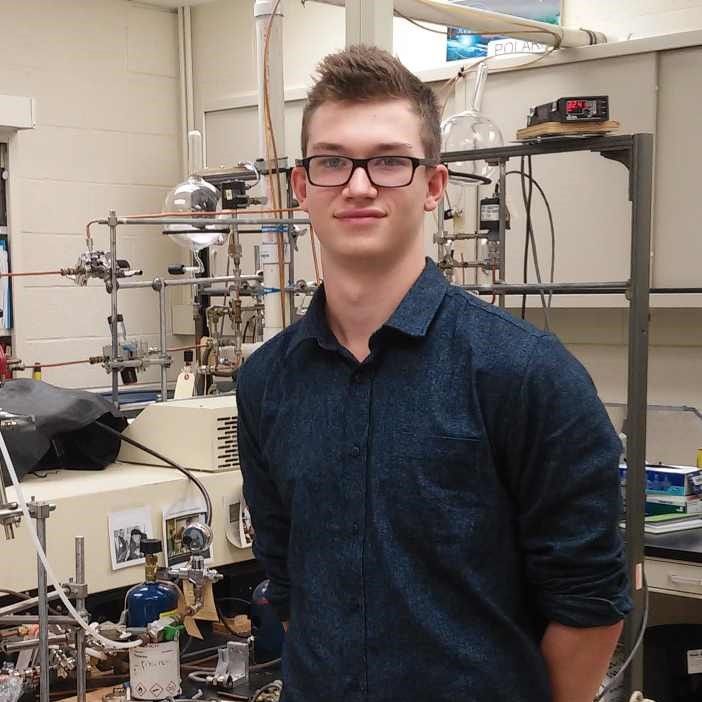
[148,600]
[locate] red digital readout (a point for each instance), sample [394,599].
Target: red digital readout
[576,105]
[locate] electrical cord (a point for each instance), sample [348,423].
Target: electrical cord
[225,624]
[527,196]
[551,225]
[635,648]
[527,239]
[528,178]
[191,476]
[473,177]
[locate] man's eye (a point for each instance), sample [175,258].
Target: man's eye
[391,162]
[332,162]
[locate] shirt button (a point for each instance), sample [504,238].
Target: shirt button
[355,451]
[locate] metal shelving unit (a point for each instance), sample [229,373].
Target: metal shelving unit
[635,152]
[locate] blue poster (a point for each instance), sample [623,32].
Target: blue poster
[461,44]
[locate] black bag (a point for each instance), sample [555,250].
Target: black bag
[64,434]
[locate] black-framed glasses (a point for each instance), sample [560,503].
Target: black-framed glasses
[330,171]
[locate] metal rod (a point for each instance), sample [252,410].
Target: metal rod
[555,288]
[169,282]
[112,223]
[162,337]
[291,266]
[502,272]
[28,603]
[204,221]
[81,667]
[9,528]
[675,291]
[33,643]
[600,144]
[439,238]
[42,607]
[640,180]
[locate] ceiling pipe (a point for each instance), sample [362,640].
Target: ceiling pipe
[485,22]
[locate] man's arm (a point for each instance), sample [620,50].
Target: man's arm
[562,456]
[269,515]
[577,659]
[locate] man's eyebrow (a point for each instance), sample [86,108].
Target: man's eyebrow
[330,147]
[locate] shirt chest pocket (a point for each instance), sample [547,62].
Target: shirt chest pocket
[441,486]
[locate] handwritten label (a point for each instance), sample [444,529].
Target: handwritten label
[153,671]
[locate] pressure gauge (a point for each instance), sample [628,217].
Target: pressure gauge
[197,538]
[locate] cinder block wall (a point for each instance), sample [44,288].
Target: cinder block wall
[104,74]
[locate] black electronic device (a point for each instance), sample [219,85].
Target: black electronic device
[490,216]
[571,110]
[234,195]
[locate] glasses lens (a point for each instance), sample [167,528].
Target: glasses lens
[391,171]
[329,170]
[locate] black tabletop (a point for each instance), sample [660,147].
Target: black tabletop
[678,545]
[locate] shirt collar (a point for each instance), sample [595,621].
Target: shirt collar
[411,317]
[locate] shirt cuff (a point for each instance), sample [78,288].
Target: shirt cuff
[580,611]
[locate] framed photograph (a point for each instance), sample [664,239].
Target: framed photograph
[174,522]
[461,44]
[238,527]
[126,530]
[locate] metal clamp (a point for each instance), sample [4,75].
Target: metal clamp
[232,665]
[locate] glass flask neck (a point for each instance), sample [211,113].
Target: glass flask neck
[476,97]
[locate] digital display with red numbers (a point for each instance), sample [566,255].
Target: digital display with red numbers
[578,106]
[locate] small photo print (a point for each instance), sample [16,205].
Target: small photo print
[240,530]
[126,530]
[173,525]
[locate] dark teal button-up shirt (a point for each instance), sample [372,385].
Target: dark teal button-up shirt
[424,514]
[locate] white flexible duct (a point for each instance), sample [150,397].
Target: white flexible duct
[485,22]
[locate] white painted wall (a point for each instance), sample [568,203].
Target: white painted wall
[104,76]
[634,18]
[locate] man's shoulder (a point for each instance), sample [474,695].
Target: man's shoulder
[494,336]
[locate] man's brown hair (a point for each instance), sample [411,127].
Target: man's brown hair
[367,74]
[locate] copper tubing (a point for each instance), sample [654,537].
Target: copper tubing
[274,179]
[210,214]
[88,360]
[62,363]
[35,273]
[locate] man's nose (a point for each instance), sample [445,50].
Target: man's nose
[360,183]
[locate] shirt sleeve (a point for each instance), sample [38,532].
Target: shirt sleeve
[563,465]
[271,521]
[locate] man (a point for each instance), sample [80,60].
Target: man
[433,483]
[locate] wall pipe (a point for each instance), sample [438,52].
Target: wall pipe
[270,74]
[485,22]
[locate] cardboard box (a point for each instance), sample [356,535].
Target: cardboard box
[673,504]
[669,480]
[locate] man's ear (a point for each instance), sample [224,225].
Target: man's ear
[299,183]
[437,179]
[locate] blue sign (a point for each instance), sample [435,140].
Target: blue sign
[462,44]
